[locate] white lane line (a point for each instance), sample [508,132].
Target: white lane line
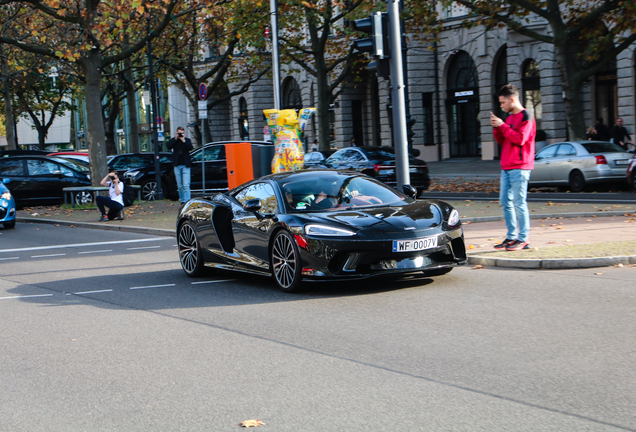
[75,245]
[101,251]
[45,256]
[145,247]
[90,292]
[26,296]
[214,281]
[2,259]
[152,286]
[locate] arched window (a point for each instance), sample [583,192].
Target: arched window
[291,94]
[531,82]
[244,130]
[462,104]
[500,79]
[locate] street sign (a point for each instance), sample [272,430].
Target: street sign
[203,114]
[203,91]
[159,120]
[146,97]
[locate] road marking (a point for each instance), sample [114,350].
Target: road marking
[87,252]
[2,259]
[144,247]
[90,292]
[75,245]
[26,296]
[152,286]
[214,281]
[45,256]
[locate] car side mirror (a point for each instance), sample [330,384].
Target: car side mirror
[57,173]
[6,180]
[253,205]
[410,191]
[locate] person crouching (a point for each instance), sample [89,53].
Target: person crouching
[115,202]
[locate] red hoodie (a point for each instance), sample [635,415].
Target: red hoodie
[516,137]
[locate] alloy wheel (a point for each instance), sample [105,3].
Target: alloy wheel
[189,253]
[83,197]
[149,191]
[285,262]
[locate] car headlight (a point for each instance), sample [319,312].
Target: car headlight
[6,195]
[131,174]
[453,219]
[323,230]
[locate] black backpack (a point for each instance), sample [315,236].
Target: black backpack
[129,193]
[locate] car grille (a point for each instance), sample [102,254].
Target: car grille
[3,212]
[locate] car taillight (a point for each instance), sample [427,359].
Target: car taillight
[378,168]
[600,160]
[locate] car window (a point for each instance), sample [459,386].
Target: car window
[11,168]
[566,150]
[67,172]
[602,147]
[547,152]
[337,156]
[212,153]
[355,156]
[264,191]
[73,164]
[41,167]
[165,159]
[119,162]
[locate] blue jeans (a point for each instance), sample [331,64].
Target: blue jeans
[512,198]
[182,175]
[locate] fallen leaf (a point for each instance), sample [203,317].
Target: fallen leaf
[251,423]
[72,226]
[491,239]
[620,265]
[57,224]
[478,266]
[471,247]
[598,273]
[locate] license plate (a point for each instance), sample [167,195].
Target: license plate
[621,161]
[414,245]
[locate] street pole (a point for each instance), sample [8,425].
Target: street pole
[153,118]
[397,97]
[273,6]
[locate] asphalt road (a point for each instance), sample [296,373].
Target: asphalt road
[110,335]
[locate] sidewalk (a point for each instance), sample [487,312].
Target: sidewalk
[571,235]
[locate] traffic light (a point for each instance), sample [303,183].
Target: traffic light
[378,44]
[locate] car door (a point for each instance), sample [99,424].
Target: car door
[542,165]
[251,229]
[215,169]
[565,159]
[14,170]
[46,180]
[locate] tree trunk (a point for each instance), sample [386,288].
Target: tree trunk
[324,100]
[131,98]
[8,106]
[572,87]
[109,127]
[41,137]
[95,135]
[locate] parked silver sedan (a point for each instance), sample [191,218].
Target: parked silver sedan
[578,163]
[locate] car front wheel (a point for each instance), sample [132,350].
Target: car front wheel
[83,197]
[190,250]
[577,181]
[285,260]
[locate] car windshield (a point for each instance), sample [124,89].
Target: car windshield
[330,191]
[73,164]
[602,147]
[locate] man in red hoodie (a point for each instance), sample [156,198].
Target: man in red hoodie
[516,137]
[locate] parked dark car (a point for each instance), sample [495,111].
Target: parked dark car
[7,205]
[40,179]
[314,158]
[631,172]
[379,162]
[319,225]
[140,167]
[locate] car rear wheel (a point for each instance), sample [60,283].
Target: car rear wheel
[9,225]
[190,250]
[149,190]
[83,197]
[577,181]
[437,272]
[285,259]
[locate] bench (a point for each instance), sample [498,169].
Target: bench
[71,191]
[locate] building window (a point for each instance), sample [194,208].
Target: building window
[531,82]
[244,129]
[291,94]
[427,118]
[500,80]
[462,107]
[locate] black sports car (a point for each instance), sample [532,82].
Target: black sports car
[319,225]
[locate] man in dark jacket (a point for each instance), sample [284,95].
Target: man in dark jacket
[181,146]
[619,133]
[602,131]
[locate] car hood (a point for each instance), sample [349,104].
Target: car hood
[418,215]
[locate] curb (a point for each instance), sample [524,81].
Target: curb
[563,263]
[551,216]
[103,226]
